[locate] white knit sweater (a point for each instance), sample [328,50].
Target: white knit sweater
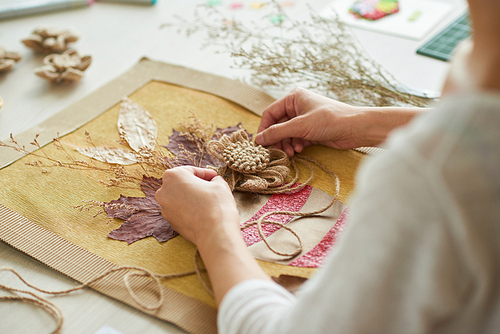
[421,253]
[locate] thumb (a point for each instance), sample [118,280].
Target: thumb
[220,180]
[277,132]
[202,173]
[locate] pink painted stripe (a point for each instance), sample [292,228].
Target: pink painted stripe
[278,202]
[315,257]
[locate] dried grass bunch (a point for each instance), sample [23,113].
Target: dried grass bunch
[318,53]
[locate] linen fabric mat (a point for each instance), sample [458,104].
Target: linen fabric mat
[37,214]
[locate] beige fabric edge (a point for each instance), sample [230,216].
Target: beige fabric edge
[82,265]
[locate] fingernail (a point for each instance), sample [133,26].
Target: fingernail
[259,138]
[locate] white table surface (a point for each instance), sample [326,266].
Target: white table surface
[118,36]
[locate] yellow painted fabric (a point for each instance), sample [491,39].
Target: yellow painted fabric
[48,195]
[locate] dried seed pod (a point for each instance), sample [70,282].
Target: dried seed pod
[66,68]
[8,59]
[50,40]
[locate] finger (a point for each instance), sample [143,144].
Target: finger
[272,114]
[278,110]
[280,131]
[297,145]
[202,173]
[287,147]
[306,143]
[220,180]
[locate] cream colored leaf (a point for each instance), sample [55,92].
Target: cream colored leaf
[137,126]
[110,155]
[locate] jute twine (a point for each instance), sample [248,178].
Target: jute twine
[260,170]
[249,168]
[132,271]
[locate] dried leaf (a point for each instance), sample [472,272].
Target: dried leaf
[291,283]
[110,155]
[142,215]
[137,126]
[190,150]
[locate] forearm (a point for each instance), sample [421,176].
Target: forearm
[228,261]
[374,124]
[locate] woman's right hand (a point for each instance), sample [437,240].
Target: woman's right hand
[303,118]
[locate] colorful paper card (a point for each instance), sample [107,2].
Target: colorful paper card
[412,19]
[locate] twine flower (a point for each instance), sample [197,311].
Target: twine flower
[66,68]
[50,40]
[249,167]
[8,59]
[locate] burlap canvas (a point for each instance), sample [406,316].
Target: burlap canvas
[37,213]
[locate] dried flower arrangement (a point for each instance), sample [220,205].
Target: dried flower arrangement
[318,53]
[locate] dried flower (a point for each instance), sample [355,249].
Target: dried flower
[8,59]
[50,40]
[318,53]
[249,167]
[66,68]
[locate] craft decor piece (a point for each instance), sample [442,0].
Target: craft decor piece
[249,167]
[373,10]
[245,166]
[76,243]
[8,59]
[64,68]
[50,40]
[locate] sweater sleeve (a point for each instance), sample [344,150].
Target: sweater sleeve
[396,267]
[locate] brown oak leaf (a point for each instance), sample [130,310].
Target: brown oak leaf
[191,152]
[141,215]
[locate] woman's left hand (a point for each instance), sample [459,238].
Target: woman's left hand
[197,203]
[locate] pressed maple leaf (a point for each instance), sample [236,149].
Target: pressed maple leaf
[190,150]
[141,215]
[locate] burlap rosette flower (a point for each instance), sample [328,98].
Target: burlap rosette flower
[249,167]
[8,59]
[50,40]
[66,68]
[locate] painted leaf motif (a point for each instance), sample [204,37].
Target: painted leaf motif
[193,152]
[141,215]
[137,126]
[110,155]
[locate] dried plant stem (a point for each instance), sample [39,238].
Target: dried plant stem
[318,53]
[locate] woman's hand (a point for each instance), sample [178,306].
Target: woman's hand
[200,206]
[303,118]
[197,203]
